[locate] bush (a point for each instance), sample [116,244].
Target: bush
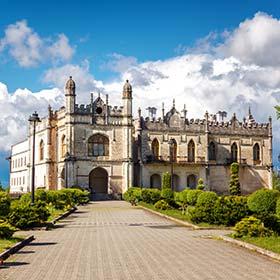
[203,211]
[181,198]
[251,227]
[166,181]
[24,215]
[234,185]
[5,203]
[6,230]
[192,196]
[162,205]
[167,195]
[200,184]
[133,195]
[278,207]
[263,201]
[228,210]
[150,195]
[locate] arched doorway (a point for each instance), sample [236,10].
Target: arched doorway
[98,181]
[191,181]
[155,181]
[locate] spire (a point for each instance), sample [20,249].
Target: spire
[70,86]
[127,90]
[174,103]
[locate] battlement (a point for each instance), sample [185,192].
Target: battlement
[83,109]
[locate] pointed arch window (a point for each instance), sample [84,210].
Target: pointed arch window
[256,152]
[191,151]
[234,152]
[98,145]
[41,150]
[212,151]
[155,148]
[173,150]
[63,146]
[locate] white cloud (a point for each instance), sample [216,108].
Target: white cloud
[119,63]
[255,41]
[29,49]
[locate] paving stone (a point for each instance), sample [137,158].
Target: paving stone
[112,240]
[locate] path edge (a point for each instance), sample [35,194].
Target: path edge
[4,255]
[251,247]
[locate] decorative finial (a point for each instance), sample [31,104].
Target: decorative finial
[173,102]
[249,111]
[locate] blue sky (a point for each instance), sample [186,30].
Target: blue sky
[148,30]
[107,41]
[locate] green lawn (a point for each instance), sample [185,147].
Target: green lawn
[271,243]
[175,213]
[8,243]
[54,213]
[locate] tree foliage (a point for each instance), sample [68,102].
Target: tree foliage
[234,184]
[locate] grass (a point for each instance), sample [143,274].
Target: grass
[175,213]
[271,243]
[54,213]
[8,243]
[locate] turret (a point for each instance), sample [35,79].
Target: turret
[70,96]
[127,100]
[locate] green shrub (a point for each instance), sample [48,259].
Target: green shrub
[278,207]
[181,198]
[234,184]
[228,210]
[207,199]
[192,196]
[24,215]
[133,195]
[166,181]
[200,184]
[5,203]
[150,195]
[263,201]
[251,227]
[162,205]
[6,230]
[204,208]
[41,194]
[167,195]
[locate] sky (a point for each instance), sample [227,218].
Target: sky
[209,55]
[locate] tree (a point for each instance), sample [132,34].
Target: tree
[166,181]
[200,185]
[234,184]
[277,111]
[1,187]
[276,181]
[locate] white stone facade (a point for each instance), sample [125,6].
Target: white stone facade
[100,147]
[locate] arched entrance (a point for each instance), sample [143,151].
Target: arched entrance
[98,181]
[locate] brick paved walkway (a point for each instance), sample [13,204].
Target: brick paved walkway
[110,240]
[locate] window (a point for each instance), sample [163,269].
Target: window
[155,148]
[256,152]
[63,146]
[173,151]
[41,152]
[212,151]
[191,151]
[98,145]
[21,162]
[234,152]
[23,180]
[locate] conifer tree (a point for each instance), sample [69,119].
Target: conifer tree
[234,184]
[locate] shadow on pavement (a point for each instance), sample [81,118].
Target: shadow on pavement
[42,243]
[25,252]
[11,264]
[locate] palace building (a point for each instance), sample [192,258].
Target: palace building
[102,148]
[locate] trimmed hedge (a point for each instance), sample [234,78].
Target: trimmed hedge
[167,195]
[150,195]
[5,203]
[6,230]
[263,201]
[192,196]
[228,210]
[162,205]
[166,181]
[133,195]
[251,227]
